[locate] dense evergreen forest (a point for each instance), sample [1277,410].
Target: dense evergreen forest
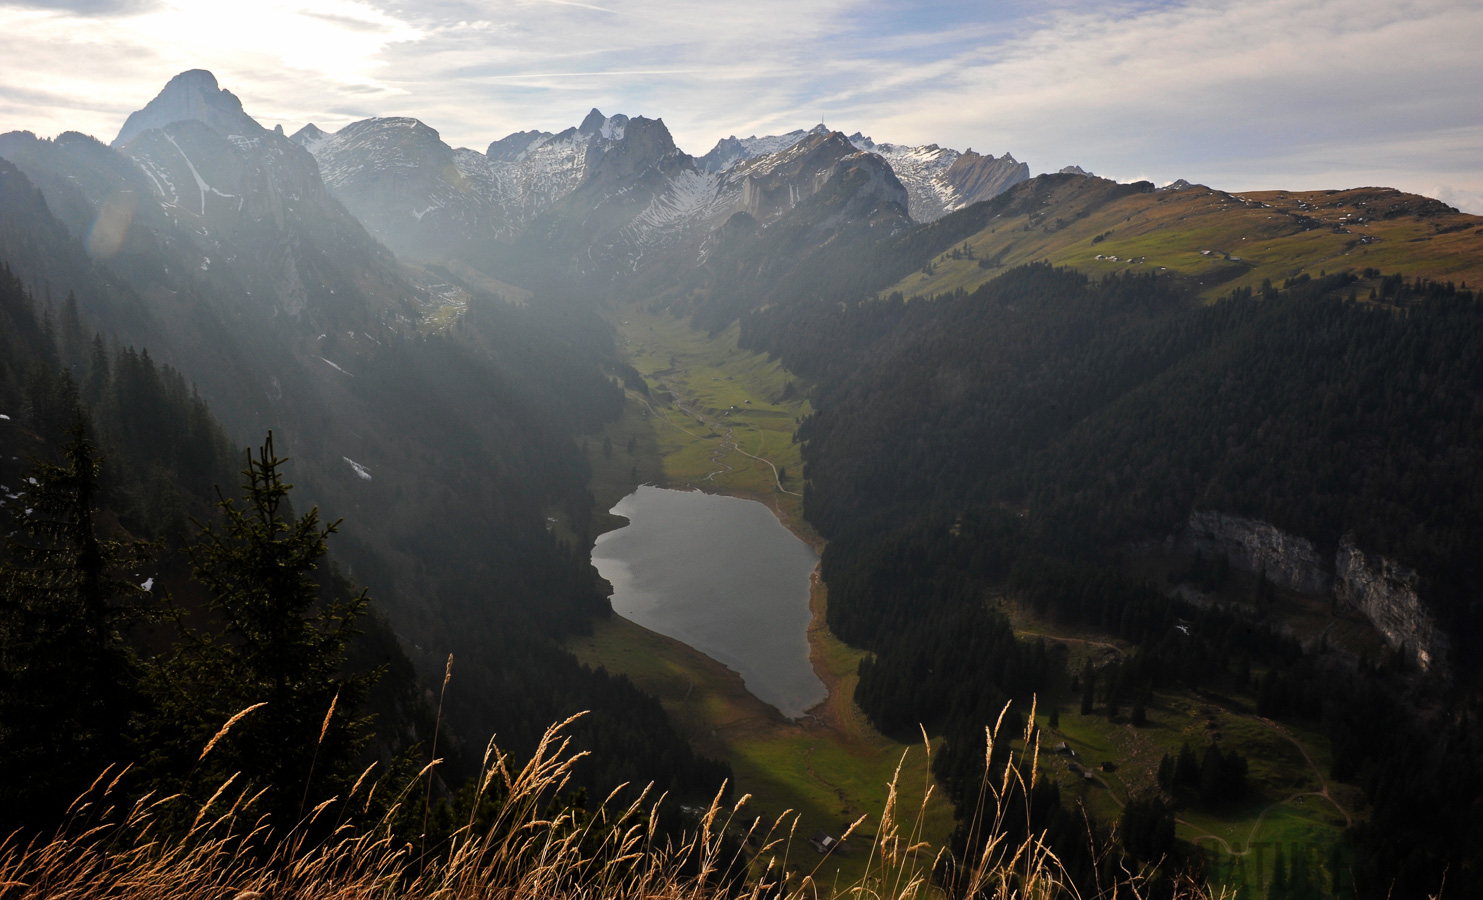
[138,618]
[1022,438]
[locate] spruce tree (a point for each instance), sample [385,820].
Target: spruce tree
[67,675]
[279,651]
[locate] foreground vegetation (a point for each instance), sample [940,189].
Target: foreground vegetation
[512,842]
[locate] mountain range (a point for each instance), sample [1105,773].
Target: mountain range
[426,200]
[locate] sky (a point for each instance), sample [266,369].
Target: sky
[1237,94]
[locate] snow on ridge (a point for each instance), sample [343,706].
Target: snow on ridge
[201,184]
[689,195]
[744,150]
[360,470]
[613,128]
[335,367]
[922,171]
[317,143]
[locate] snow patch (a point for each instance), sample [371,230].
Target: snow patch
[613,128]
[200,182]
[360,470]
[335,367]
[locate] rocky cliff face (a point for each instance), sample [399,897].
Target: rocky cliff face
[1289,562]
[940,180]
[411,190]
[974,177]
[773,184]
[190,96]
[1386,592]
[425,199]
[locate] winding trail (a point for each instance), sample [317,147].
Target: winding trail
[1262,816]
[728,439]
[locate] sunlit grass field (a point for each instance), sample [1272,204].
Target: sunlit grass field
[1222,241]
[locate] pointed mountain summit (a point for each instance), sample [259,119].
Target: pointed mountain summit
[190,95]
[310,136]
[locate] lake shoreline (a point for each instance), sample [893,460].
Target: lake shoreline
[725,578]
[826,711]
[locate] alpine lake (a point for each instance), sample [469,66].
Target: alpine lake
[722,575]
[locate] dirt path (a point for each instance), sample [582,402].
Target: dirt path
[1323,782]
[728,439]
[1071,640]
[1261,818]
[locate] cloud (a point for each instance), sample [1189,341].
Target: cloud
[275,54]
[1214,87]
[83,7]
[1469,201]
[1297,93]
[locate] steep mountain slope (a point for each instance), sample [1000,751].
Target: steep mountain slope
[941,179]
[616,189]
[938,180]
[426,199]
[216,244]
[809,250]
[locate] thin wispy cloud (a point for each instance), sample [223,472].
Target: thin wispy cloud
[1290,93]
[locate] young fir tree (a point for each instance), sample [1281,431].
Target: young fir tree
[67,676]
[279,653]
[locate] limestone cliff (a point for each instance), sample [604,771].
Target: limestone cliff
[1290,562]
[1386,592]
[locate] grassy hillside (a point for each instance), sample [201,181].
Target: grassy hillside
[1218,240]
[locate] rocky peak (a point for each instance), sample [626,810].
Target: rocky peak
[311,137]
[974,177]
[191,95]
[1074,170]
[875,182]
[512,147]
[642,144]
[593,123]
[598,125]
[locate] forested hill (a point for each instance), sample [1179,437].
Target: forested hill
[1039,429]
[1107,411]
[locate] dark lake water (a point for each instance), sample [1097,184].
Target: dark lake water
[722,575]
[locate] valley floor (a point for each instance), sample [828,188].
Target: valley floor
[721,419]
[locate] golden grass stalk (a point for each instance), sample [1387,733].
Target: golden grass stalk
[228,727]
[609,854]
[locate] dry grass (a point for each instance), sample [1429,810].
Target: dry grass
[527,852]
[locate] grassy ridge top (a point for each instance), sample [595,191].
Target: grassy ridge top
[1217,239]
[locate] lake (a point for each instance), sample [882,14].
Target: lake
[722,575]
